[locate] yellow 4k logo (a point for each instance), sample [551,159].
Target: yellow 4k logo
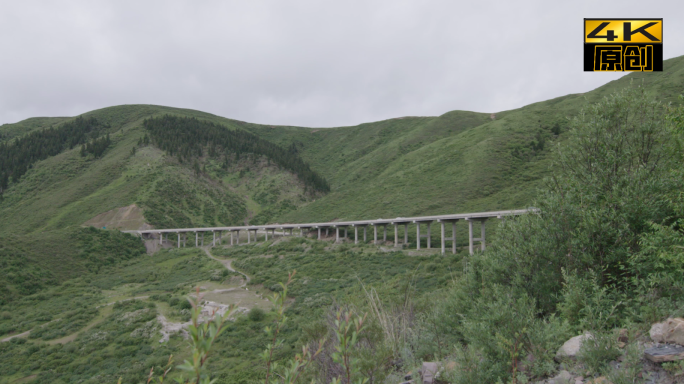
[623,45]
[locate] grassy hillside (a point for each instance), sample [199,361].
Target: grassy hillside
[31,264]
[460,161]
[457,162]
[59,282]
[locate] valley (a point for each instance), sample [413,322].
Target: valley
[82,301]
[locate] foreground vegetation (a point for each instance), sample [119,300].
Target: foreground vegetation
[605,251]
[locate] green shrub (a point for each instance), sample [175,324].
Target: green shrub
[597,351]
[256,314]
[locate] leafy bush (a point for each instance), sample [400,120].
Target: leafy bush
[607,239]
[256,314]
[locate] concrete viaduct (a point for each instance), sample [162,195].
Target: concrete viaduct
[339,226]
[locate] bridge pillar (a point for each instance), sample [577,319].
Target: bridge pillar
[161,238]
[428,234]
[178,233]
[196,239]
[482,234]
[213,243]
[406,233]
[452,238]
[356,235]
[291,231]
[319,233]
[470,235]
[396,235]
[337,234]
[442,227]
[326,231]
[345,233]
[249,236]
[453,234]
[417,235]
[375,234]
[384,233]
[203,239]
[364,234]
[237,237]
[266,230]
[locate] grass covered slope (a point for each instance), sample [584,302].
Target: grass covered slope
[457,162]
[30,264]
[460,161]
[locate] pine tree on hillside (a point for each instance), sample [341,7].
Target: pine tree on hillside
[17,157]
[187,138]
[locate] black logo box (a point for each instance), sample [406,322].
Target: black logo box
[589,49]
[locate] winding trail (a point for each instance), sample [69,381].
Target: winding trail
[228,265]
[18,335]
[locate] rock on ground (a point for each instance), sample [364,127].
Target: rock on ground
[669,331]
[429,372]
[572,346]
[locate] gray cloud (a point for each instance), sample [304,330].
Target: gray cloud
[310,63]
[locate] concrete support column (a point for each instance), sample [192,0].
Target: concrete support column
[237,237]
[428,234]
[178,239]
[417,235]
[453,237]
[442,228]
[203,239]
[266,230]
[482,235]
[231,237]
[196,239]
[337,234]
[406,233]
[384,232]
[326,232]
[356,235]
[345,233]
[161,238]
[319,233]
[364,234]
[396,235]
[249,236]
[375,234]
[213,243]
[290,231]
[470,236]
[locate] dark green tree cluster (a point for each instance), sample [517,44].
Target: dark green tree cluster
[96,146]
[16,157]
[187,138]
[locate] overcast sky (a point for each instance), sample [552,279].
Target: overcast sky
[310,63]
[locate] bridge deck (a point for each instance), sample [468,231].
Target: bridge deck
[336,224]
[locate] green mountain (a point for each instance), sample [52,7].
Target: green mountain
[78,304]
[458,162]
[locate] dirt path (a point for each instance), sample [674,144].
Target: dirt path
[18,335]
[132,298]
[227,264]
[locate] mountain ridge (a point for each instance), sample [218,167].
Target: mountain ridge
[458,161]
